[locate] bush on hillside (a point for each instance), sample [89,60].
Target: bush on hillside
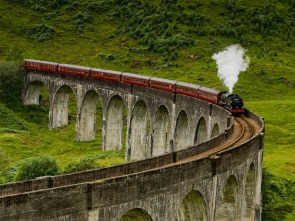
[4,167]
[11,80]
[41,5]
[15,54]
[84,164]
[41,32]
[80,19]
[36,167]
[278,197]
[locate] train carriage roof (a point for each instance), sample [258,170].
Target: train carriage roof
[209,90]
[74,67]
[195,86]
[163,80]
[41,62]
[136,76]
[106,71]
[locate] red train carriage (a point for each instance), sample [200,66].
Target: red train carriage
[163,84]
[210,95]
[40,65]
[73,70]
[106,74]
[135,79]
[187,89]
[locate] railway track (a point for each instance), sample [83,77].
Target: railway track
[247,131]
[244,129]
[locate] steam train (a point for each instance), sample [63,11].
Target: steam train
[231,102]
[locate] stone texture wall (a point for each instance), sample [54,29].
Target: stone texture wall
[221,186]
[183,113]
[159,192]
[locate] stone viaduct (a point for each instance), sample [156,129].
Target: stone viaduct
[163,130]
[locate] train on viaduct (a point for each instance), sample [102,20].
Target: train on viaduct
[189,159]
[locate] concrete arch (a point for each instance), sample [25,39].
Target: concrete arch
[248,204]
[192,208]
[33,93]
[86,118]
[201,131]
[227,208]
[181,131]
[59,111]
[114,124]
[215,131]
[138,137]
[161,131]
[136,215]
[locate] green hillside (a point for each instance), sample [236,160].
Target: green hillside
[169,39]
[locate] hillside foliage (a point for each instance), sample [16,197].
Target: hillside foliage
[170,39]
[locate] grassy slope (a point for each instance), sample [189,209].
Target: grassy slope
[82,48]
[262,86]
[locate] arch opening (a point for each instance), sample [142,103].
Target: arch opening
[33,93]
[136,215]
[64,108]
[181,131]
[248,205]
[115,124]
[228,203]
[161,131]
[192,208]
[86,119]
[139,129]
[201,132]
[215,131]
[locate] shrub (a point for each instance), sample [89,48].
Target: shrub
[84,164]
[97,7]
[40,33]
[80,19]
[36,167]
[4,167]
[15,54]
[101,56]
[278,196]
[110,57]
[41,5]
[11,79]
[191,19]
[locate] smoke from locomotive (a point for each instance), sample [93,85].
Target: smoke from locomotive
[230,63]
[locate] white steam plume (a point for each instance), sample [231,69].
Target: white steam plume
[230,63]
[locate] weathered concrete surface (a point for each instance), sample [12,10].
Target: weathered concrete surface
[227,187]
[161,193]
[213,187]
[158,122]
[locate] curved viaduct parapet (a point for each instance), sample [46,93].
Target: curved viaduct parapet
[164,187]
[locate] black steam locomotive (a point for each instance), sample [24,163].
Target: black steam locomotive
[232,102]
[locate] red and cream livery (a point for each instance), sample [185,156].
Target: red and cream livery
[203,93]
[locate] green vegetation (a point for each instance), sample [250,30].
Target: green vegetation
[278,197]
[164,38]
[40,32]
[36,167]
[4,167]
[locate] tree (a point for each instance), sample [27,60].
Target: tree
[11,81]
[36,167]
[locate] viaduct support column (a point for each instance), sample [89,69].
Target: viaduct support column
[172,131]
[86,117]
[128,133]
